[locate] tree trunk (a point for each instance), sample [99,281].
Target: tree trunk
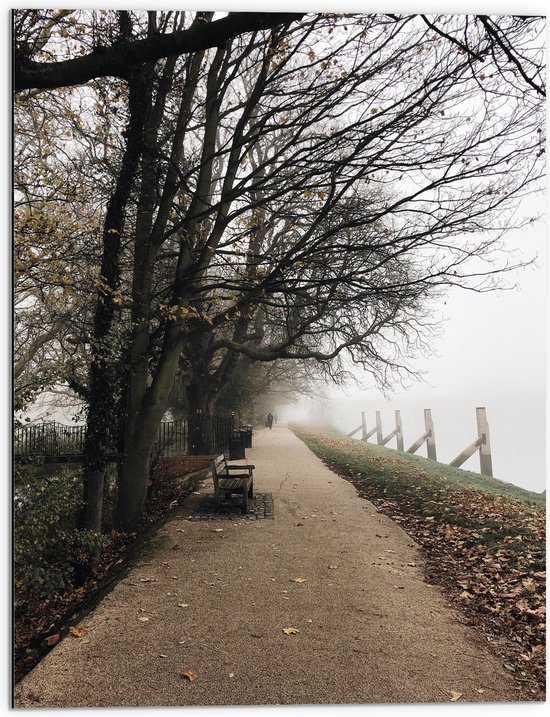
[200,397]
[134,476]
[104,376]
[141,434]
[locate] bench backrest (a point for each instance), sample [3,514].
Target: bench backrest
[219,465]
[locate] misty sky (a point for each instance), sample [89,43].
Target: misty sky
[492,353]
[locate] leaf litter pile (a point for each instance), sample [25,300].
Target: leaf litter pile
[486,549]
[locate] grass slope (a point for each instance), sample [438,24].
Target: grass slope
[375,455]
[483,540]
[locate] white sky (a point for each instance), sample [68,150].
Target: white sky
[492,353]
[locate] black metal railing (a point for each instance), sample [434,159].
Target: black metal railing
[198,434]
[52,438]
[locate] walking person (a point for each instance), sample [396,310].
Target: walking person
[270,420]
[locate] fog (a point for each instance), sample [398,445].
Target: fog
[492,353]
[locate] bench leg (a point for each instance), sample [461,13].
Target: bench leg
[250,491]
[245,501]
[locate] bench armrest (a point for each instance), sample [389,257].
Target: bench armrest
[240,467]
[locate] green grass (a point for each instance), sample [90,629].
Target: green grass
[371,457]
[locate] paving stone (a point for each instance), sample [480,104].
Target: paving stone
[259,507]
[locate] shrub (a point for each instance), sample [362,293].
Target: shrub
[47,542]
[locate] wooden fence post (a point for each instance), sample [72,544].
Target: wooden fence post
[363,426]
[379,434]
[399,429]
[481,444]
[430,440]
[485,461]
[428,437]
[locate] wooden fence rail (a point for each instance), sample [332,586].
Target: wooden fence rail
[482,444]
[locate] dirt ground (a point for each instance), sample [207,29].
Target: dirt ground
[214,596]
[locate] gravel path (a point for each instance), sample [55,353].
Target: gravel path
[213,596]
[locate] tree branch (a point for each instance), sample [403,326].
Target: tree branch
[119,59]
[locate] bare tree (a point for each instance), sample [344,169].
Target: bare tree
[303,192]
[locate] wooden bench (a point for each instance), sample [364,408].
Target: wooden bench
[232,480]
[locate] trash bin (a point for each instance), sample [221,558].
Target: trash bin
[247,428]
[236,444]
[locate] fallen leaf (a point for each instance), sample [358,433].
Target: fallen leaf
[231,674]
[143,619]
[183,604]
[52,639]
[76,631]
[148,580]
[218,530]
[455,696]
[290,631]
[161,655]
[297,580]
[333,567]
[175,547]
[191,676]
